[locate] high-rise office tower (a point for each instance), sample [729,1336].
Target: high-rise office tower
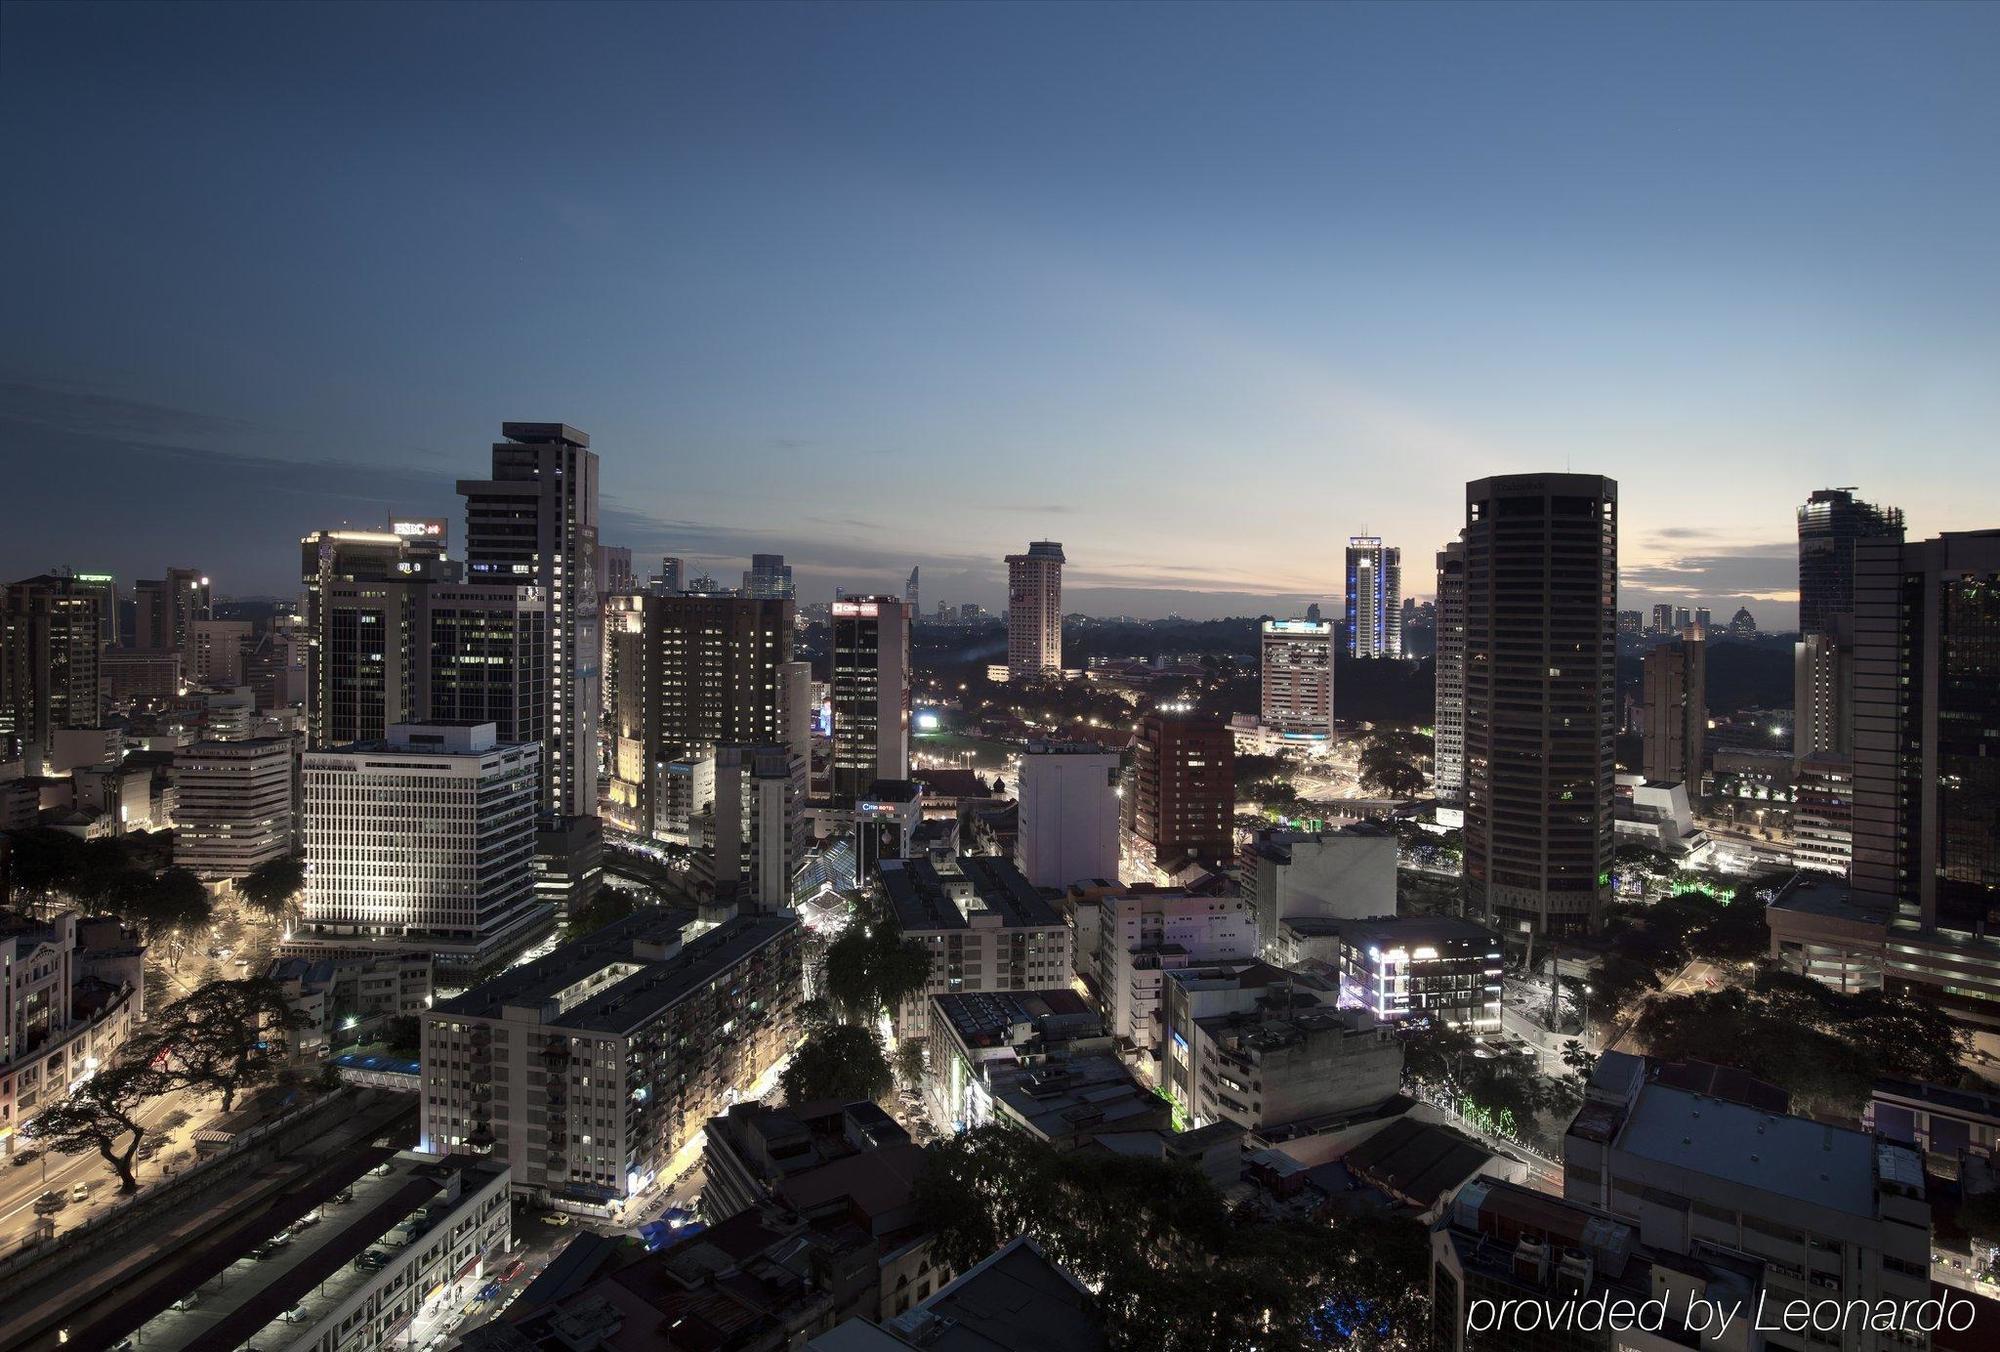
[216,649]
[871,693]
[1702,620]
[1743,624]
[1448,725]
[1674,683]
[1682,619]
[1374,598]
[690,673]
[913,594]
[105,587]
[425,841]
[673,572]
[614,569]
[1182,809]
[1663,619]
[366,659]
[1631,622]
[235,807]
[1298,679]
[1541,591]
[1927,758]
[1830,524]
[168,607]
[1823,690]
[486,650]
[768,578]
[51,677]
[757,828]
[1034,611]
[535,521]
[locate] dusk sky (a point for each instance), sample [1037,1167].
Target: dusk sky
[1199,292]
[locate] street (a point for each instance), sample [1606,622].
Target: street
[20,1184]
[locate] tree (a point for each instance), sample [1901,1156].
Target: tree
[174,909]
[43,860]
[1387,771]
[273,887]
[872,967]
[910,1062]
[102,1115]
[1203,1278]
[225,1036]
[842,1062]
[611,904]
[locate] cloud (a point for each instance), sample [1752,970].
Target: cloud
[1758,572]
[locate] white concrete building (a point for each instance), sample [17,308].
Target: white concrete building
[1831,1211]
[1144,933]
[71,992]
[426,841]
[236,807]
[1068,830]
[757,828]
[1297,703]
[1349,873]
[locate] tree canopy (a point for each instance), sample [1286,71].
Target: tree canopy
[1201,1277]
[1825,1048]
[871,967]
[226,1036]
[843,1062]
[102,1115]
[274,885]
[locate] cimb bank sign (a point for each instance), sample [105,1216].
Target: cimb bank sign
[1619,1314]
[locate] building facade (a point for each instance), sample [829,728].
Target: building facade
[534,521]
[1034,611]
[589,1069]
[987,927]
[1068,813]
[1674,682]
[425,840]
[237,805]
[1181,810]
[1831,522]
[871,693]
[1541,570]
[1297,695]
[51,647]
[1374,598]
[1448,730]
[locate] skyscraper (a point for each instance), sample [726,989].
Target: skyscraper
[535,521]
[167,607]
[1298,679]
[1830,523]
[51,648]
[769,578]
[1823,691]
[487,658]
[1374,598]
[1448,726]
[673,573]
[1674,686]
[1541,588]
[871,693]
[1034,611]
[1068,795]
[913,594]
[1927,745]
[690,673]
[614,569]
[1663,619]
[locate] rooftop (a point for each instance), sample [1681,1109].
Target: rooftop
[1824,895]
[984,1018]
[633,969]
[1792,1157]
[922,893]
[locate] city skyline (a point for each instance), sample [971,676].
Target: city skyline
[768,257]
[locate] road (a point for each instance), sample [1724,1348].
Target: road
[21,1184]
[1697,976]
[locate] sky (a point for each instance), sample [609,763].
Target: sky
[1199,292]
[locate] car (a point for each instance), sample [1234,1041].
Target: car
[26,1157]
[296,1315]
[556,1218]
[188,1301]
[307,1221]
[343,1197]
[80,1193]
[513,1271]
